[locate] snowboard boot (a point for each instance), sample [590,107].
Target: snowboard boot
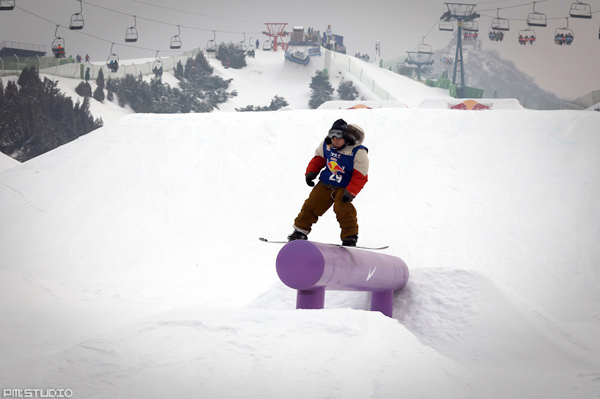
[297,235]
[349,241]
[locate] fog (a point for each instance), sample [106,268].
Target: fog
[568,71]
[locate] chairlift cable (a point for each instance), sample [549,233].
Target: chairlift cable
[160,22]
[88,34]
[515,6]
[189,12]
[427,34]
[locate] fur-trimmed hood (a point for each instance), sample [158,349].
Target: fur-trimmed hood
[356,133]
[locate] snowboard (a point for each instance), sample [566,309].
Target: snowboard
[337,245]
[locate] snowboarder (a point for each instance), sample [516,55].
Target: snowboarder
[345,165]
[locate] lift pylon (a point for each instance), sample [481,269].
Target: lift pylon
[461,13]
[275,30]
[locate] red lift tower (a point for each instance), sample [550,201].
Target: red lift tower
[275,31]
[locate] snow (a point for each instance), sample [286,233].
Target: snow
[594,107]
[131,266]
[7,162]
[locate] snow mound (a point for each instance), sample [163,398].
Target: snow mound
[131,266]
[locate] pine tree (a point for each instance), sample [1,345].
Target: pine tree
[38,118]
[276,103]
[179,71]
[84,89]
[231,54]
[203,63]
[347,91]
[100,79]
[99,94]
[321,90]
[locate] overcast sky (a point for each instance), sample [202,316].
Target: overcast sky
[568,71]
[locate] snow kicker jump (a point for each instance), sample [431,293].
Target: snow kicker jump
[312,267]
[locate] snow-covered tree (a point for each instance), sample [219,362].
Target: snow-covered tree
[347,91]
[321,90]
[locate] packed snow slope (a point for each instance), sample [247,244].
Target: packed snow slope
[130,265]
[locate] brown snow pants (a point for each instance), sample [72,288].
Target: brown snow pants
[319,201]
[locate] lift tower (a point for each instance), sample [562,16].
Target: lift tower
[422,57]
[460,13]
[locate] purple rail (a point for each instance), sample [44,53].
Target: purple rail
[312,267]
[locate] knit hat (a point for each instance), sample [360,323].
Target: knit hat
[338,128]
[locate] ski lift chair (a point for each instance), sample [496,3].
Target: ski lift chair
[424,48]
[58,47]
[176,40]
[537,18]
[241,46]
[495,35]
[501,24]
[157,66]
[446,26]
[76,22]
[131,34]
[580,10]
[7,5]
[471,30]
[77,19]
[526,36]
[211,45]
[471,26]
[175,43]
[112,62]
[564,35]
[267,45]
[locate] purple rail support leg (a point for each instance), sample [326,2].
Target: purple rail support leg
[383,302]
[311,268]
[311,299]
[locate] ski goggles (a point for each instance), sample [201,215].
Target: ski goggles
[335,133]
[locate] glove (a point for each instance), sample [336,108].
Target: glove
[310,176]
[347,197]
